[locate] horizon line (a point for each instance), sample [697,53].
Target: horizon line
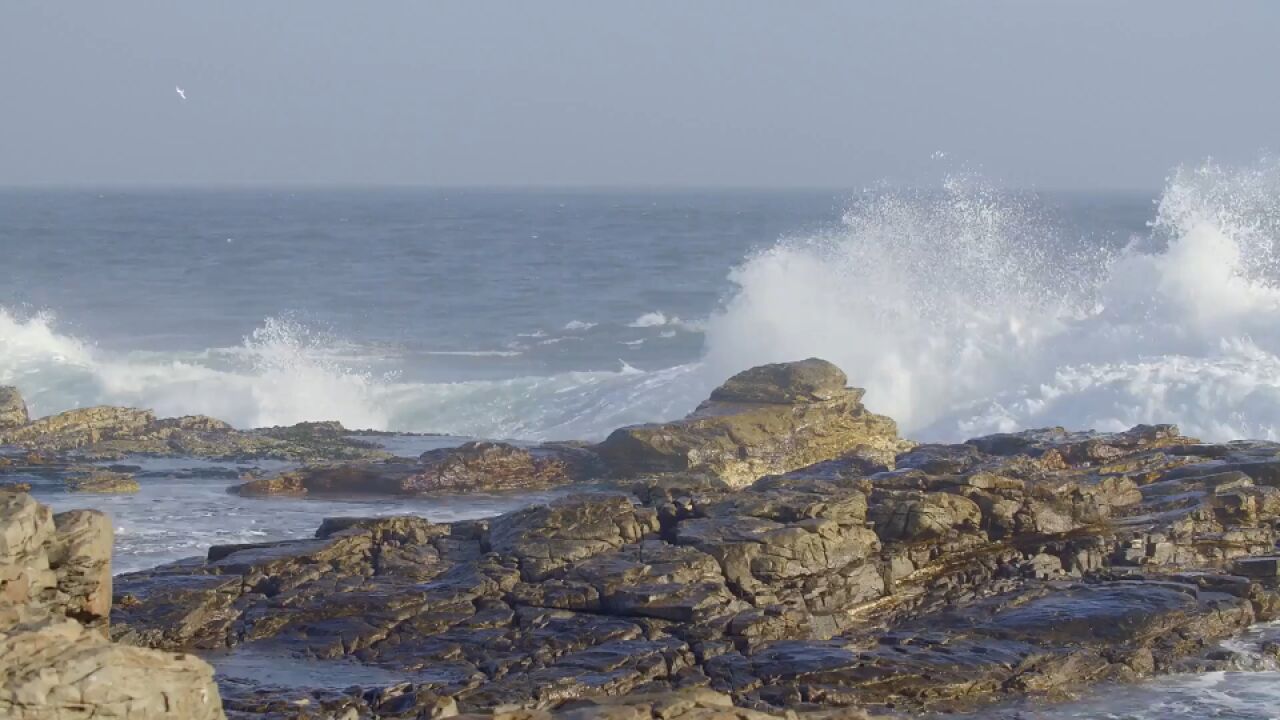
[545,187]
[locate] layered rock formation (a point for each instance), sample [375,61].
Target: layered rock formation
[55,659]
[107,433]
[1031,563]
[471,467]
[780,550]
[769,419]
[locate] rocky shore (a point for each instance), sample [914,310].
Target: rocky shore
[780,550]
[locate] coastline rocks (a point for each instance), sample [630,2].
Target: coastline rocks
[767,420]
[1027,564]
[110,433]
[13,410]
[478,466]
[55,659]
[76,428]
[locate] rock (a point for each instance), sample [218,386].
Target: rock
[543,539]
[767,420]
[925,516]
[477,466]
[1260,567]
[939,578]
[13,410]
[791,383]
[471,467]
[55,669]
[103,481]
[55,599]
[106,433]
[77,428]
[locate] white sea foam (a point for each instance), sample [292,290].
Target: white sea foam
[657,318]
[578,325]
[285,372]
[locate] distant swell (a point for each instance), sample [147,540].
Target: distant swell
[961,312]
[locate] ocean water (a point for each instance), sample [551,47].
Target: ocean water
[535,315]
[538,315]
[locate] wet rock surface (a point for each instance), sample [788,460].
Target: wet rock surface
[55,659]
[769,419]
[781,550]
[1030,564]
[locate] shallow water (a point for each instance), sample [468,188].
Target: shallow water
[183,506]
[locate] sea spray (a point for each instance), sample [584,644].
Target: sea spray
[929,300]
[1187,328]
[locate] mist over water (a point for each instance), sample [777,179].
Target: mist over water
[962,311]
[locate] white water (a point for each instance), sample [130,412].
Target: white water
[962,313]
[966,315]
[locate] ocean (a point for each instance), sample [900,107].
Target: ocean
[562,314]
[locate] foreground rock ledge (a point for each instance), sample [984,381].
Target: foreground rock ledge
[1021,564]
[55,659]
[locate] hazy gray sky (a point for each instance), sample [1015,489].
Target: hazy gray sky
[725,92]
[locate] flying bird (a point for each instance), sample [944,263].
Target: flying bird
[181,93]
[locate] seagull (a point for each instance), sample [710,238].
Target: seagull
[181,93]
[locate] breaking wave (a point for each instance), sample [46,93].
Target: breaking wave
[968,312]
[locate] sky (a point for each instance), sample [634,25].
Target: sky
[1078,94]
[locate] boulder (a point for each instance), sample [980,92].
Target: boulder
[767,420]
[811,380]
[13,410]
[56,661]
[55,669]
[964,578]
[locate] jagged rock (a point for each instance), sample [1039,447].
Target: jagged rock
[961,577]
[55,659]
[103,481]
[766,420]
[789,553]
[13,410]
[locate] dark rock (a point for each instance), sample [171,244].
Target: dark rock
[1031,563]
[811,380]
